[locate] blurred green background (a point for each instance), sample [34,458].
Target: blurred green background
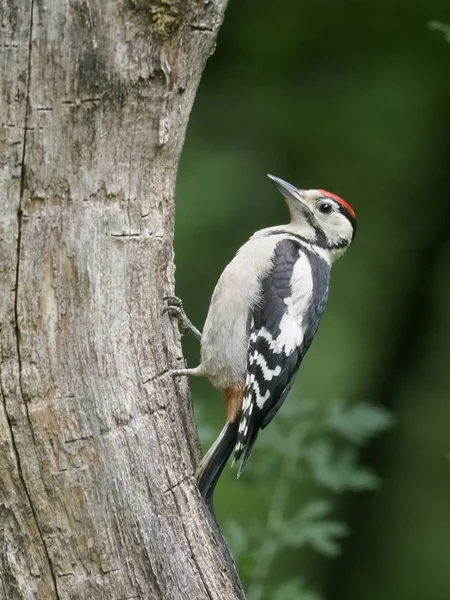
[352,97]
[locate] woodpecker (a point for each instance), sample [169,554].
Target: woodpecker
[263,316]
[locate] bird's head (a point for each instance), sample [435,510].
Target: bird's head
[322,218]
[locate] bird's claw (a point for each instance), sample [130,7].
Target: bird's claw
[173,301]
[175,309]
[174,306]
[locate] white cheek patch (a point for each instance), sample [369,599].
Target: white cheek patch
[336,227]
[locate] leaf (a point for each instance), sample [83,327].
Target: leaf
[302,444]
[321,536]
[315,509]
[359,422]
[442,27]
[309,528]
[294,589]
[338,470]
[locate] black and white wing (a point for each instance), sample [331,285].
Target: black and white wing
[294,294]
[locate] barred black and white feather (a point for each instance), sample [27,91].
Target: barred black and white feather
[263,315]
[283,324]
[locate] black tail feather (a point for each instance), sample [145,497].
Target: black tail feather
[214,461]
[248,449]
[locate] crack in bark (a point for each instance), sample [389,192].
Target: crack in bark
[155,377]
[201,27]
[79,101]
[16,314]
[19,220]
[178,483]
[125,235]
[22,480]
[82,438]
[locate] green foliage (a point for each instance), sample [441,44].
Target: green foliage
[294,589]
[311,526]
[442,27]
[316,444]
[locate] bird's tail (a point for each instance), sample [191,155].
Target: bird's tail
[212,464]
[244,455]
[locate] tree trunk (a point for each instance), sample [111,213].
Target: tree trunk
[97,442]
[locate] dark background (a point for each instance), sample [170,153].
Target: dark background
[352,97]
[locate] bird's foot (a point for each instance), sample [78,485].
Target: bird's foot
[180,372]
[175,309]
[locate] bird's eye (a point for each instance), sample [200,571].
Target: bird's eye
[324,207]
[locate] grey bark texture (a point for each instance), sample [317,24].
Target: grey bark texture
[97,443]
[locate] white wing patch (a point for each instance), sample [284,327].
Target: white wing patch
[291,325]
[302,288]
[292,328]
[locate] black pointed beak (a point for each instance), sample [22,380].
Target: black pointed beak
[289,191]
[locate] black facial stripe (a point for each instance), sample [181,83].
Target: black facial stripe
[321,238]
[321,241]
[341,244]
[294,235]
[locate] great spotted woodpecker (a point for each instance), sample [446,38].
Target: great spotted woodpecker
[264,313]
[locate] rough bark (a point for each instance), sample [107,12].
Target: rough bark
[97,442]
